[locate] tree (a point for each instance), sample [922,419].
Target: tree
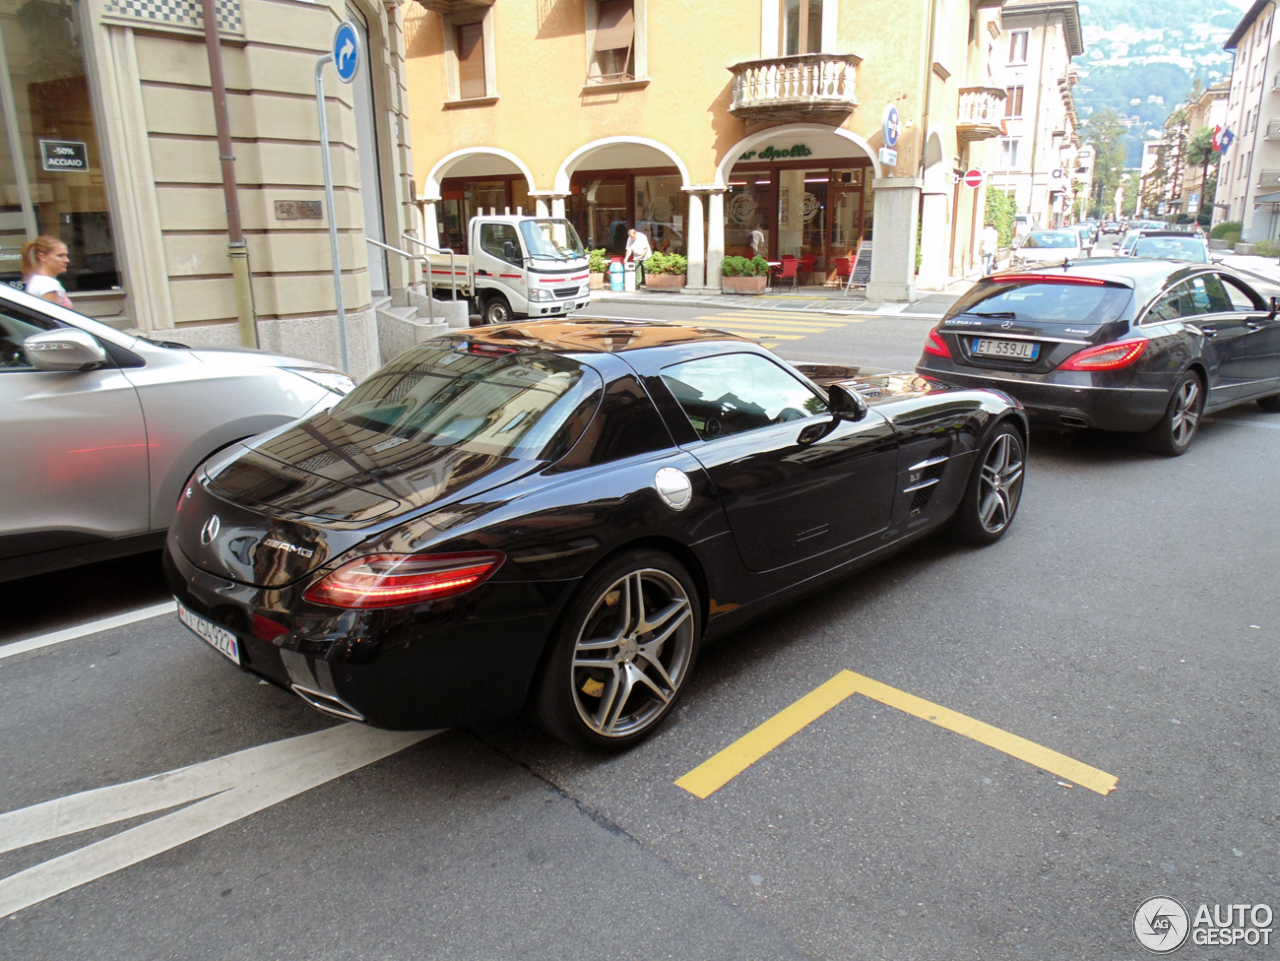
[1200,151]
[1106,132]
[1131,198]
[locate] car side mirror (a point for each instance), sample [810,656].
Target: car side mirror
[846,404]
[510,253]
[63,349]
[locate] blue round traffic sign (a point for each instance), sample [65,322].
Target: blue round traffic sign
[346,51]
[890,125]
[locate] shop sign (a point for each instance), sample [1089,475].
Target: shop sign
[774,153]
[60,156]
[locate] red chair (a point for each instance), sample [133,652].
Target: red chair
[789,270]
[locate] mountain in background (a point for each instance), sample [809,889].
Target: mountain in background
[1141,58]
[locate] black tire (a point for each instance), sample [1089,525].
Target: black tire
[1270,404]
[994,490]
[496,310]
[575,697]
[1177,428]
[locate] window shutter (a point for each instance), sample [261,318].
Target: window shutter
[615,37]
[471,60]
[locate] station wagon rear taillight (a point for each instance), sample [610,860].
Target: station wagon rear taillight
[1107,357]
[395,580]
[934,344]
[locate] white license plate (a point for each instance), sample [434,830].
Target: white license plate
[221,639]
[1010,349]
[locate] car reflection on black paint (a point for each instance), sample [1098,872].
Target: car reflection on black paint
[557,514]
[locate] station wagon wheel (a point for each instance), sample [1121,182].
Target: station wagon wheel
[995,488]
[1173,435]
[1270,404]
[623,652]
[497,310]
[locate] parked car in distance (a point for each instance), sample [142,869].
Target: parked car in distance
[1045,246]
[1146,346]
[1164,245]
[558,513]
[1111,227]
[101,429]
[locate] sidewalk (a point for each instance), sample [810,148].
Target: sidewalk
[1262,268]
[827,300]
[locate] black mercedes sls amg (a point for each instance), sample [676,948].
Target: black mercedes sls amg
[557,513]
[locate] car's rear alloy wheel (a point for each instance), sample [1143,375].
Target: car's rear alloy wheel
[497,310]
[623,653]
[1173,435]
[995,488]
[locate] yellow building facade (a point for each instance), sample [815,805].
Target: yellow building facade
[754,126]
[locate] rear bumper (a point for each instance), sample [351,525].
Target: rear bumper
[1053,402]
[402,668]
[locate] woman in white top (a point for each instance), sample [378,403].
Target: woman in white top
[43,259]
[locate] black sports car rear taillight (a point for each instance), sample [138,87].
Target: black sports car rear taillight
[395,580]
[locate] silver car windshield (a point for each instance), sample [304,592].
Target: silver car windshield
[1051,239]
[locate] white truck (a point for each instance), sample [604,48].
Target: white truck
[517,266]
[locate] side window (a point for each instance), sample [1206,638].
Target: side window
[1201,302]
[1239,296]
[14,329]
[1175,303]
[626,424]
[732,393]
[494,239]
[1218,301]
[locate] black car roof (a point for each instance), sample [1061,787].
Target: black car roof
[599,335]
[1146,277]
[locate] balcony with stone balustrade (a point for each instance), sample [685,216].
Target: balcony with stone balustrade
[811,86]
[981,110]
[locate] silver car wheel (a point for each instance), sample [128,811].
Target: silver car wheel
[1000,484]
[1186,413]
[633,653]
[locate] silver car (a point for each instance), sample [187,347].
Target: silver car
[99,430]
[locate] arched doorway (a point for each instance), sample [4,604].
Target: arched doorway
[468,182]
[612,184]
[798,191]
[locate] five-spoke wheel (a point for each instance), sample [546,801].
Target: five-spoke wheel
[1173,435]
[622,654]
[995,487]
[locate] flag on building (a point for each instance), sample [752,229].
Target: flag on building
[1225,140]
[1217,133]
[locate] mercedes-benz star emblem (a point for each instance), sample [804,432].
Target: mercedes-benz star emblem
[210,529]
[1006,325]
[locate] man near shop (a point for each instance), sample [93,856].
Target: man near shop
[638,251]
[990,244]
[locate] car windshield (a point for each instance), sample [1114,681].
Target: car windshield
[1188,249]
[1051,239]
[473,397]
[1087,304]
[555,239]
[1129,240]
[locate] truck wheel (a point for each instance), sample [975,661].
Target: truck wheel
[497,310]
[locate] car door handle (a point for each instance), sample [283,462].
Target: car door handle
[1255,324]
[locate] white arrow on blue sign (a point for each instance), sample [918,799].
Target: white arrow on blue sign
[346,51]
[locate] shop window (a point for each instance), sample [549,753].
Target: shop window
[613,53]
[1013,101]
[801,27]
[660,211]
[470,50]
[1018,46]
[52,179]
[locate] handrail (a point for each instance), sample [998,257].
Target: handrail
[431,300]
[453,273]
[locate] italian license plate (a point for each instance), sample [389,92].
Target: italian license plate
[221,639]
[1007,349]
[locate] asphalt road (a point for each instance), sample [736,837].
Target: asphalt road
[1128,621]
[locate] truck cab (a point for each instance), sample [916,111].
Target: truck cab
[521,266]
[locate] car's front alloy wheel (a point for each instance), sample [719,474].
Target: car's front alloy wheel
[995,488]
[623,653]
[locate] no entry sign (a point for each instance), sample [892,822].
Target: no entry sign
[973,178]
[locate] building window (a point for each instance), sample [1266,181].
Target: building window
[469,38]
[613,56]
[801,27]
[1013,102]
[1018,46]
[1009,153]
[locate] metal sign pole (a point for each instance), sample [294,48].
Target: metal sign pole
[345,57]
[330,212]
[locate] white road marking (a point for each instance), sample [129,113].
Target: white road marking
[84,630]
[1242,423]
[215,793]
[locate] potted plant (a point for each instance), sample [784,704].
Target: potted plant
[598,264]
[742,276]
[665,271]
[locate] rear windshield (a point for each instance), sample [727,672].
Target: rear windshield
[1033,301]
[1052,240]
[1189,249]
[509,404]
